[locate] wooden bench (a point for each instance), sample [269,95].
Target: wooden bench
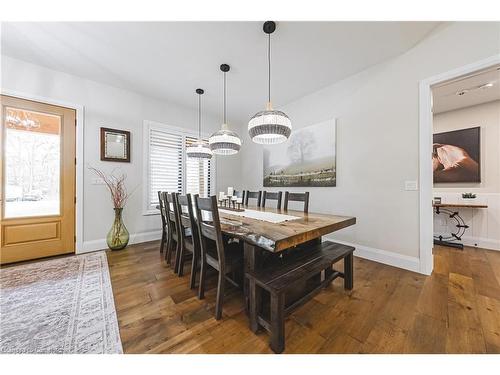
[308,270]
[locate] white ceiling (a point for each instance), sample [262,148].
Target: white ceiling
[169,60]
[446,98]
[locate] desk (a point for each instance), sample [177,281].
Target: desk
[454,238]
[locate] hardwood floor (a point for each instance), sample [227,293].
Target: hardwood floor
[456,310]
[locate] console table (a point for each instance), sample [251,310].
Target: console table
[454,238]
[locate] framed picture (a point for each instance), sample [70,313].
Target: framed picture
[115,145]
[456,156]
[308,158]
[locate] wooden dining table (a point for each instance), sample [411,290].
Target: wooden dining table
[261,236]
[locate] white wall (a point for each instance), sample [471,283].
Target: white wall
[106,106]
[484,224]
[377,140]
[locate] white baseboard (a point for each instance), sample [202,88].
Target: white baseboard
[483,243]
[382,256]
[101,244]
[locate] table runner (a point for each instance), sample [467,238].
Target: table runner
[261,215]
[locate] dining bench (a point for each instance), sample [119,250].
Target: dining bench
[271,287]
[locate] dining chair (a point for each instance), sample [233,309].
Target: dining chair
[253,195]
[240,194]
[297,197]
[272,195]
[189,238]
[172,231]
[226,258]
[163,215]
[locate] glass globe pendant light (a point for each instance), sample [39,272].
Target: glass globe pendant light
[224,141]
[200,148]
[269,126]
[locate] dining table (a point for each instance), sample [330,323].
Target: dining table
[266,230]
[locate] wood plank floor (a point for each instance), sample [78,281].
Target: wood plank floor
[456,310]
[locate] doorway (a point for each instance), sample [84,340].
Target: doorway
[426,151]
[37,180]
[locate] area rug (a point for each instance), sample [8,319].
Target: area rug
[63,305]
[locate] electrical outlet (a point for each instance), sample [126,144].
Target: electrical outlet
[411,185]
[97,181]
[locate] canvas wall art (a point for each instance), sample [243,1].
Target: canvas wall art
[308,158]
[456,156]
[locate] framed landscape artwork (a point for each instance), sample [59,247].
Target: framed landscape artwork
[456,156]
[308,158]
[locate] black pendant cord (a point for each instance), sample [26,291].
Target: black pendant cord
[269,67]
[199,117]
[224,98]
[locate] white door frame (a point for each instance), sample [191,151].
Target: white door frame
[80,116]
[425,151]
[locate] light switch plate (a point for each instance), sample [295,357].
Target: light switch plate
[411,185]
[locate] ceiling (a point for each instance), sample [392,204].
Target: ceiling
[169,60]
[467,91]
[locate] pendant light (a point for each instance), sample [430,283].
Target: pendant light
[224,141]
[199,149]
[269,126]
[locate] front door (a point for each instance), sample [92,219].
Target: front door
[37,173]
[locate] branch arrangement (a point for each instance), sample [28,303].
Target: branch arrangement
[116,186]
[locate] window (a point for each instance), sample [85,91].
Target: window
[168,169]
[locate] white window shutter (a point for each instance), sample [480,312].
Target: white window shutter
[169,168]
[165,163]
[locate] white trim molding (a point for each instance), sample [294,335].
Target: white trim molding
[101,244]
[425,150]
[482,243]
[382,256]
[80,124]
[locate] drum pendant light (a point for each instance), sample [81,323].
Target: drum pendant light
[224,141]
[199,149]
[269,126]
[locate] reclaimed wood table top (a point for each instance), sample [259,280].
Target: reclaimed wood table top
[276,237]
[460,205]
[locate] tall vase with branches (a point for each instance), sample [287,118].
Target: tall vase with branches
[118,235]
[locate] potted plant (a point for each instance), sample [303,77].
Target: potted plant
[468,196]
[118,235]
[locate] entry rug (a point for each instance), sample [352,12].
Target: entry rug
[62,305]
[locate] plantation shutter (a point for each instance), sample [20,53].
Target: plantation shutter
[165,163]
[198,174]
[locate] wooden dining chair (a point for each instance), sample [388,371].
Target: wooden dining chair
[226,258]
[297,197]
[164,227]
[272,195]
[240,194]
[189,238]
[253,195]
[173,241]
